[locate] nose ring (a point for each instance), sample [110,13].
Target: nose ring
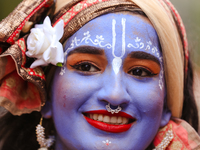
[118,109]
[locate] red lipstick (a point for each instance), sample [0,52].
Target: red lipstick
[113,128]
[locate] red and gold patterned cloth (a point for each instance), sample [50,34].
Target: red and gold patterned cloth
[185,137]
[22,89]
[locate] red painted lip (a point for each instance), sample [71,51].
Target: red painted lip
[109,127]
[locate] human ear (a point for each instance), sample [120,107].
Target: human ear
[47,110]
[166,115]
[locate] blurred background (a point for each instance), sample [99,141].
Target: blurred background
[190,13]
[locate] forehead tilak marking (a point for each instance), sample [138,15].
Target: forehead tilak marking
[117,61]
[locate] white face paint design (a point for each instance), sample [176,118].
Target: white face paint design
[117,60]
[107,142]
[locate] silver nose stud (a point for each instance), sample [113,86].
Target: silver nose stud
[112,111]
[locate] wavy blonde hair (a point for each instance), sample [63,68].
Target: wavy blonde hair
[172,50]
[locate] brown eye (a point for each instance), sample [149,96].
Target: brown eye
[85,67]
[141,72]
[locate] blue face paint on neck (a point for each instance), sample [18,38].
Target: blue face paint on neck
[114,59]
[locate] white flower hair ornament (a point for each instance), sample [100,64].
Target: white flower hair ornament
[43,44]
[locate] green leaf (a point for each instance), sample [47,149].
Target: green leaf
[59,64]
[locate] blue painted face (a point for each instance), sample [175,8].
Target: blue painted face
[115,59]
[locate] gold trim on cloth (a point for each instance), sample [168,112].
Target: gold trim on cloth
[32,88]
[16,53]
[13,59]
[16,20]
[90,13]
[6,103]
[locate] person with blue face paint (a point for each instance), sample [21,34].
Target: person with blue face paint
[95,80]
[118,84]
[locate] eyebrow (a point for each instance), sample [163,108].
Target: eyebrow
[88,50]
[144,55]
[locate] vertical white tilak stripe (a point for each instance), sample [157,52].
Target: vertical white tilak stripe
[117,61]
[114,37]
[123,36]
